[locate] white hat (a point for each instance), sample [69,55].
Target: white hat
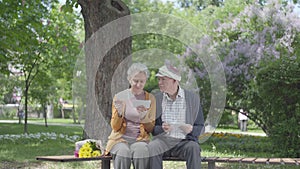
[241,110]
[169,71]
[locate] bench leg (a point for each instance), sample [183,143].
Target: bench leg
[105,164]
[211,165]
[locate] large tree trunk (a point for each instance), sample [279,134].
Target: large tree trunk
[107,44]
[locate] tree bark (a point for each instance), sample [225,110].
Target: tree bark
[26,106]
[44,106]
[102,61]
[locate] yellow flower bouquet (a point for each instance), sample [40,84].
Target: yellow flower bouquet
[88,148]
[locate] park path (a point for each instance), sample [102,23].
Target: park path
[244,133]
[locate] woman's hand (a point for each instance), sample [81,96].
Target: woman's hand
[142,110]
[119,105]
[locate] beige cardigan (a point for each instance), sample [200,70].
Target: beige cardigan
[118,124]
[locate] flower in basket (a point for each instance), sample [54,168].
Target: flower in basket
[89,149]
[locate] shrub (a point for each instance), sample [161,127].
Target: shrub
[279,91]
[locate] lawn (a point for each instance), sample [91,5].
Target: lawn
[49,121]
[19,151]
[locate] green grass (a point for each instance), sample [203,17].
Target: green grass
[25,149]
[21,153]
[7,128]
[54,120]
[238,145]
[236,129]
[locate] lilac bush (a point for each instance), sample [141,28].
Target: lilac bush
[252,44]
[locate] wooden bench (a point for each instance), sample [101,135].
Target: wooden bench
[105,164]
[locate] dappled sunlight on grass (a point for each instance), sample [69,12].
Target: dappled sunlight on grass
[218,154]
[6,154]
[237,145]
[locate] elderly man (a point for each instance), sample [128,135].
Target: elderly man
[179,122]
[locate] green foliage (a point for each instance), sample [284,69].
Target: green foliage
[154,49]
[278,85]
[152,82]
[42,44]
[8,112]
[151,41]
[56,112]
[228,118]
[258,47]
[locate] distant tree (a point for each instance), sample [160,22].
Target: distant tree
[37,42]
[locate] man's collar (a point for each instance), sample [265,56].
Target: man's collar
[180,93]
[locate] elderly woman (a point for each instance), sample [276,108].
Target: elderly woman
[133,118]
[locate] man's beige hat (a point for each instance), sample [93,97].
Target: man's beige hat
[169,71]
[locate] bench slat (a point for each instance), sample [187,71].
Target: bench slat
[69,158]
[234,159]
[275,161]
[210,158]
[297,161]
[222,159]
[248,160]
[288,161]
[262,160]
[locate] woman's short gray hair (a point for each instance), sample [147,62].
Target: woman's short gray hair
[136,68]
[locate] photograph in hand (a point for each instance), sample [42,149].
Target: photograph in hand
[186,128]
[143,114]
[178,129]
[145,103]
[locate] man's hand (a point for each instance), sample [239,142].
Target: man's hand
[186,128]
[166,127]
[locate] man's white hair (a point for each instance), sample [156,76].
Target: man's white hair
[136,68]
